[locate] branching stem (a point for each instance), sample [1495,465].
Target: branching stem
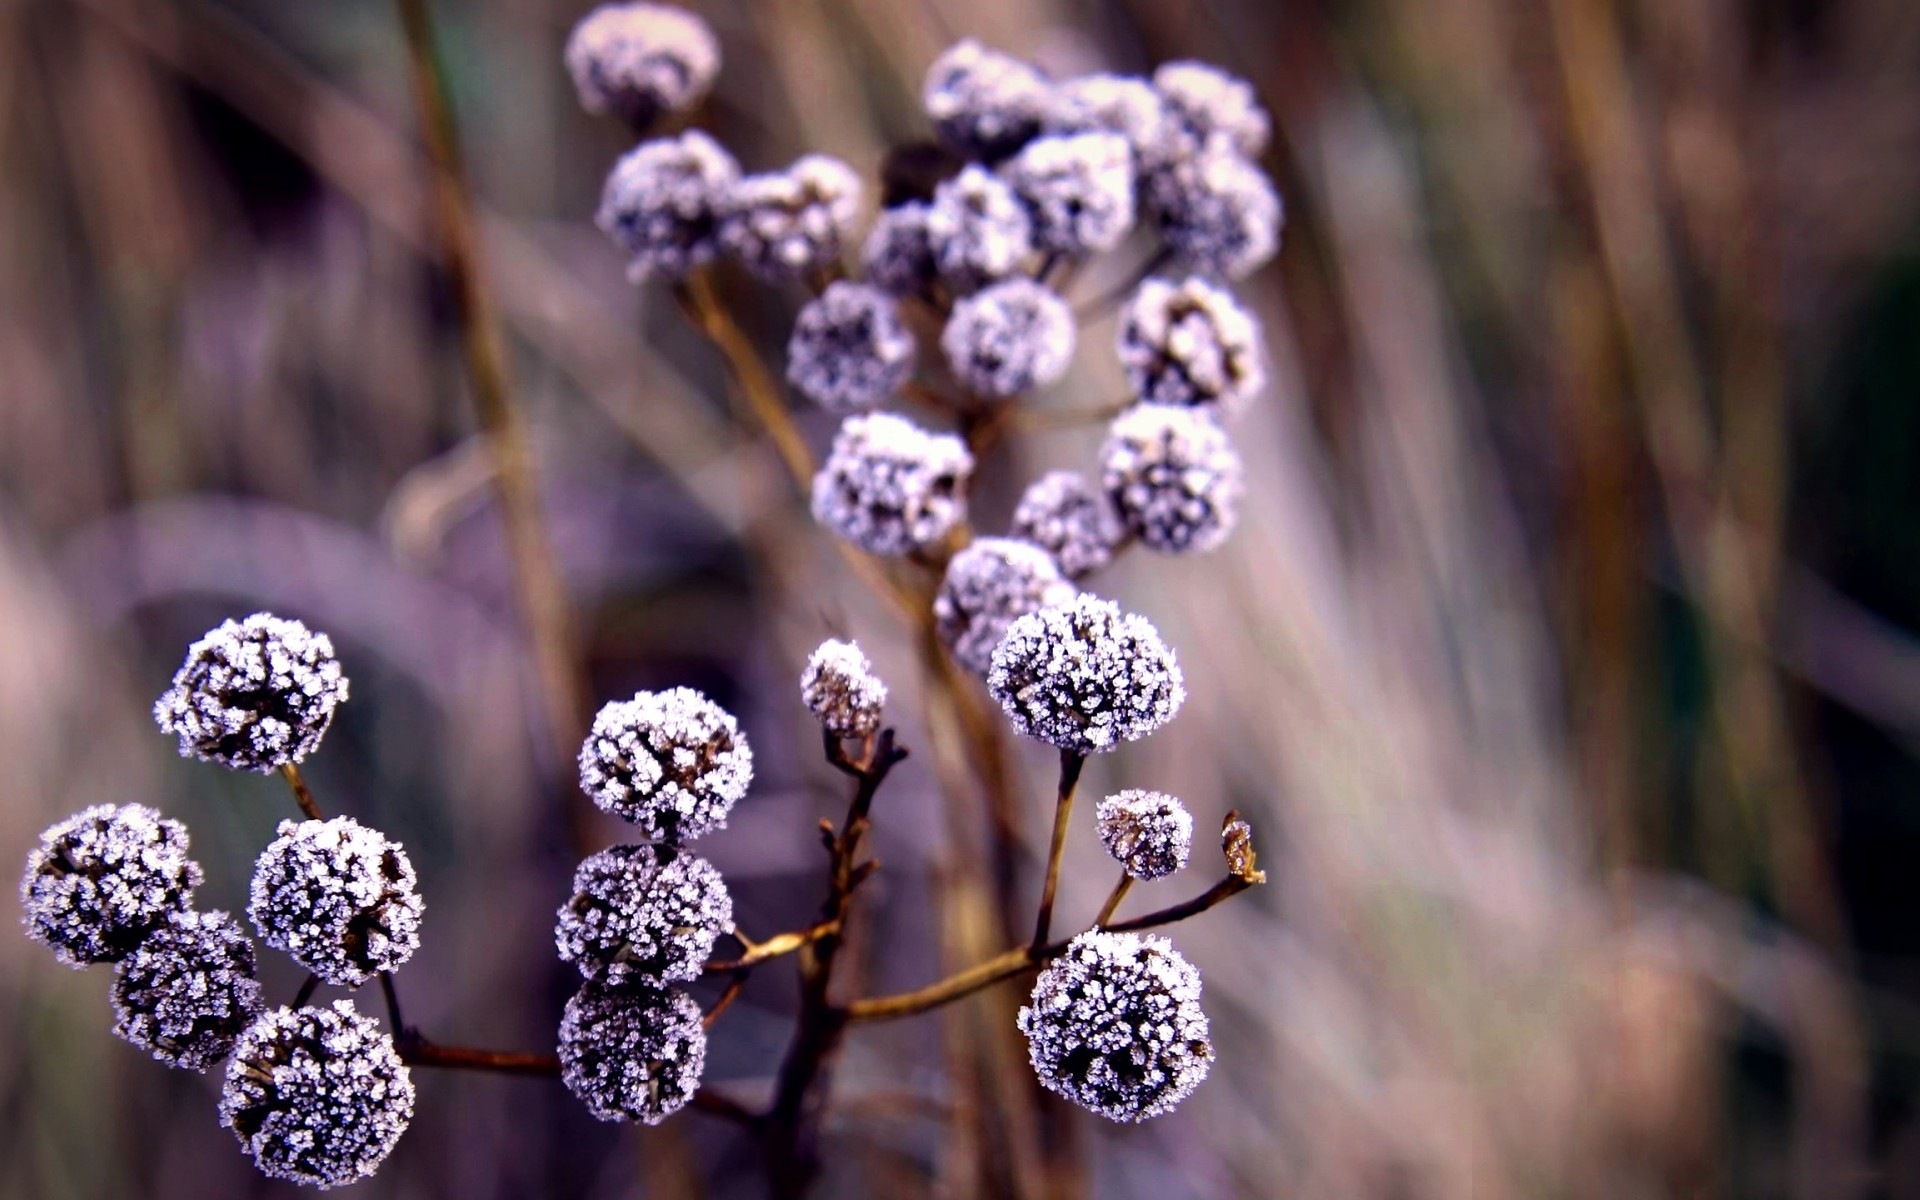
[1071,762]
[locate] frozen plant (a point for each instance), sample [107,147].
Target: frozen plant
[1063,514]
[841,691]
[1217,211]
[1190,343]
[988,585]
[984,103]
[849,349]
[1009,338]
[1208,104]
[1121,104]
[1078,189]
[662,204]
[339,897]
[978,230]
[643,914]
[632,1053]
[782,224]
[188,992]
[1173,476]
[673,763]
[889,486]
[1085,677]
[898,254]
[254,694]
[104,878]
[636,61]
[1148,833]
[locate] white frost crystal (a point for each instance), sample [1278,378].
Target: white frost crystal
[984,103]
[254,694]
[102,879]
[849,348]
[987,586]
[317,1095]
[662,203]
[1118,104]
[1217,211]
[1009,338]
[189,991]
[1190,343]
[339,897]
[1173,476]
[898,255]
[1063,514]
[783,224]
[1085,677]
[1148,833]
[1078,189]
[643,915]
[978,229]
[1210,104]
[889,486]
[1115,1025]
[632,1053]
[673,763]
[840,689]
[637,61]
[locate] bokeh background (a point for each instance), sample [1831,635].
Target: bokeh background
[1566,658]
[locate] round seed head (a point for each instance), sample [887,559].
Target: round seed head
[849,349]
[1115,1025]
[898,255]
[1009,338]
[1208,104]
[988,585]
[632,1053]
[337,896]
[783,224]
[841,690]
[253,695]
[889,486]
[1063,514]
[188,992]
[1085,677]
[636,61]
[1118,104]
[1148,833]
[1190,343]
[978,229]
[673,763]
[983,103]
[316,1095]
[662,204]
[1217,211]
[1173,476]
[1078,189]
[102,879]
[643,914]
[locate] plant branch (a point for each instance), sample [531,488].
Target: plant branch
[302,794]
[774,947]
[1071,763]
[1114,898]
[701,304]
[306,991]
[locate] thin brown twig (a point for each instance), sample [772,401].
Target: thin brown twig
[419,1052]
[302,794]
[774,947]
[306,991]
[703,308]
[1071,762]
[731,993]
[1114,898]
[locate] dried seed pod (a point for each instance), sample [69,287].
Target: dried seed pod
[889,486]
[849,348]
[1085,677]
[1063,514]
[987,587]
[637,61]
[188,992]
[1009,338]
[1121,104]
[100,881]
[632,1053]
[673,763]
[1190,343]
[978,230]
[840,689]
[782,224]
[1173,476]
[1148,833]
[1209,104]
[254,694]
[1217,211]
[1078,189]
[339,897]
[982,102]
[662,204]
[898,255]
[643,915]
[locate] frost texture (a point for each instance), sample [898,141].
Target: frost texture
[643,914]
[1173,476]
[1118,104]
[785,223]
[1190,343]
[1115,1025]
[840,689]
[633,1053]
[978,229]
[983,103]
[189,991]
[1217,211]
[1148,833]
[987,586]
[673,763]
[889,486]
[1078,190]
[1209,104]
[637,61]
[662,203]
[317,1095]
[1063,514]
[1085,677]
[898,255]
[849,349]
[337,896]
[1009,338]
[100,880]
[254,694]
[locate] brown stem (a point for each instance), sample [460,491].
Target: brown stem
[302,794]
[774,947]
[1114,898]
[731,993]
[703,307]
[306,991]
[1071,762]
[419,1052]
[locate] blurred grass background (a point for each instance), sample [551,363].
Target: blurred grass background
[1565,659]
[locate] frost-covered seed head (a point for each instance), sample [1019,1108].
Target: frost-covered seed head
[1209,104]
[337,896]
[841,690]
[632,1053]
[637,61]
[849,348]
[673,763]
[102,879]
[982,102]
[978,229]
[643,914]
[1217,211]
[662,203]
[1173,476]
[254,695]
[1148,833]
[889,486]
[1009,338]
[188,992]
[1078,189]
[1190,343]
[1085,677]
[898,256]
[1115,1025]
[988,585]
[785,223]
[1069,518]
[316,1095]
[1118,104]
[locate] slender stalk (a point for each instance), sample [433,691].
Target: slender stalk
[1071,763]
[302,794]
[1114,898]
[392,995]
[419,1052]
[774,947]
[731,993]
[306,991]
[703,307]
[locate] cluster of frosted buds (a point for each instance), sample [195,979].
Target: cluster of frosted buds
[1120,104]
[254,694]
[662,204]
[1173,476]
[100,881]
[898,254]
[1190,343]
[1217,211]
[338,897]
[849,348]
[1085,677]
[1009,338]
[983,103]
[637,61]
[643,915]
[977,230]
[673,763]
[987,587]
[1078,190]
[632,1053]
[1063,514]
[1115,1025]
[1150,834]
[889,486]
[1208,104]
[188,992]
[316,1095]
[783,224]
[840,689]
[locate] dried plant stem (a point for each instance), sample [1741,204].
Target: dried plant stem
[725,1001]
[774,947]
[306,991]
[302,794]
[419,1052]
[702,305]
[1114,898]
[1071,763]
